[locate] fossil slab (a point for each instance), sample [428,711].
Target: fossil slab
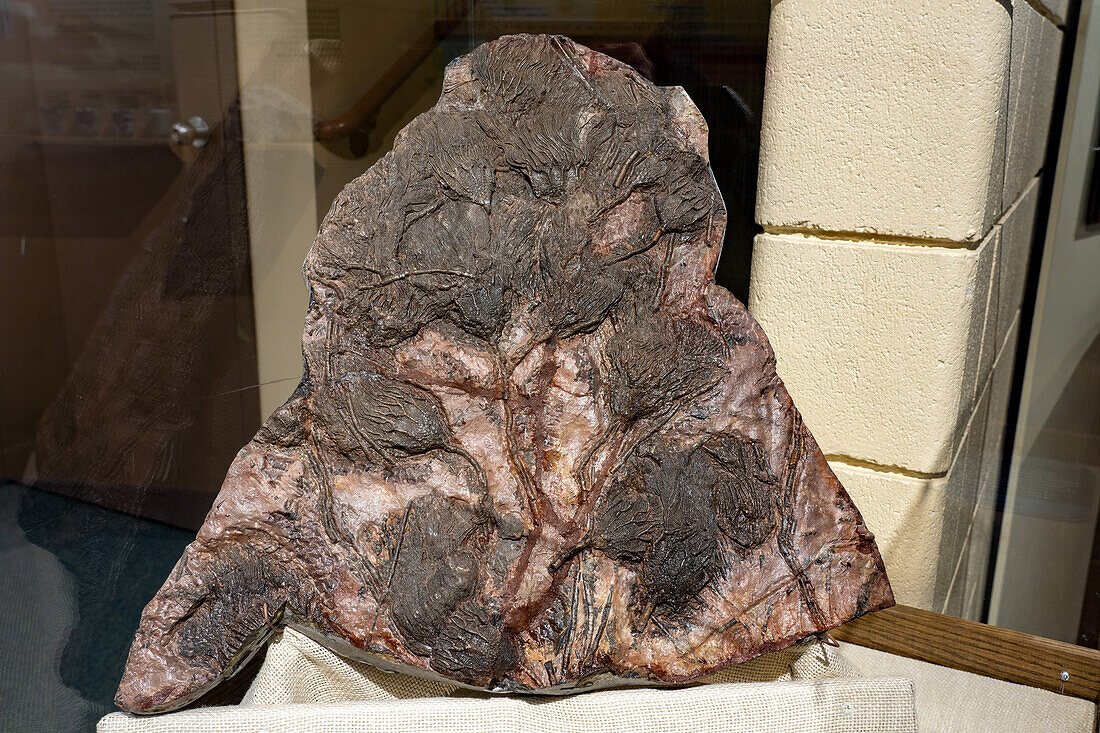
[535,448]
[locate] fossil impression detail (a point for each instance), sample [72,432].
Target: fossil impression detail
[535,446]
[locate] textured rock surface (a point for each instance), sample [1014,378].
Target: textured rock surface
[535,447]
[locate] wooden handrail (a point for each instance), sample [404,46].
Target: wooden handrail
[361,115]
[990,651]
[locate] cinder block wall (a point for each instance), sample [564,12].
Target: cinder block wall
[901,144]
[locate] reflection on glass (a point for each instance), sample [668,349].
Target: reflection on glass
[1047,576]
[150,291]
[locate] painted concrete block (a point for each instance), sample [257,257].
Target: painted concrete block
[973,575]
[1033,70]
[987,337]
[885,118]
[920,523]
[1006,288]
[879,344]
[1017,227]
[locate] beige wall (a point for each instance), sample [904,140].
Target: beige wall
[300,64]
[277,124]
[899,152]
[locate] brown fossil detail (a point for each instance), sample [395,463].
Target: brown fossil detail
[535,447]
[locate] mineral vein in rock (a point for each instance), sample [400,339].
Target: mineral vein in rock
[535,447]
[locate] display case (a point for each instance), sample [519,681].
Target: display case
[910,218]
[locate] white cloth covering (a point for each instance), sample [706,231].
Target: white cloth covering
[305,688]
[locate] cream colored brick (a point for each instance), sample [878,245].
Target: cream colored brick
[1036,43]
[980,538]
[987,336]
[919,522]
[878,344]
[885,117]
[1006,287]
[1017,227]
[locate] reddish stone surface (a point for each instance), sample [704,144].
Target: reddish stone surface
[535,447]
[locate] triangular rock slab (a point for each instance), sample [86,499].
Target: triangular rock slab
[536,448]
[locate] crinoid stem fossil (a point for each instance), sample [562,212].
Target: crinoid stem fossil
[535,447]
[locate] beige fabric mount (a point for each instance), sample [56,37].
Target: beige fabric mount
[953,701]
[304,687]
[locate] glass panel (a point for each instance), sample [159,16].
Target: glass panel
[1047,576]
[150,280]
[128,381]
[164,166]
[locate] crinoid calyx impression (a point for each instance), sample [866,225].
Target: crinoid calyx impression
[535,447]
